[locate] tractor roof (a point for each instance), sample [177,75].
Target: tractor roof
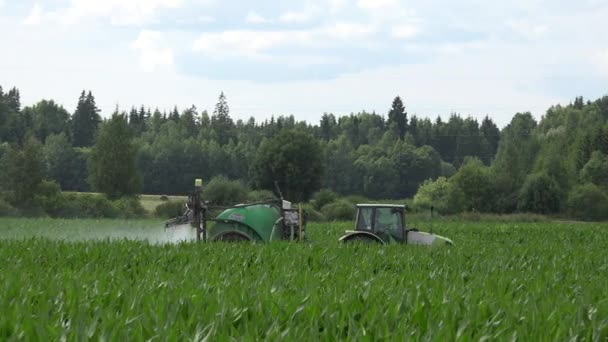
[379,205]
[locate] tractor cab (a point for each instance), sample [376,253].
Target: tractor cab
[385,223]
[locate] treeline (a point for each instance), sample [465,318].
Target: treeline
[174,147]
[462,164]
[556,166]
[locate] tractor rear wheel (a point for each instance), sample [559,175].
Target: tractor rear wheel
[231,237]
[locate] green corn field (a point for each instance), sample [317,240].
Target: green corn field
[115,280]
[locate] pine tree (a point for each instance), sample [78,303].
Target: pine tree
[221,122]
[174,115]
[85,121]
[133,119]
[398,115]
[13,99]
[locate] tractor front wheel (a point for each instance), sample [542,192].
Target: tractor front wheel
[361,239]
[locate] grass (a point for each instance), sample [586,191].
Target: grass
[534,281]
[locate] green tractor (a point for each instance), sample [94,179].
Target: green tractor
[264,221]
[385,223]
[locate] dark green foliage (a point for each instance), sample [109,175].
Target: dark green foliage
[72,205]
[490,135]
[312,214]
[129,208]
[356,199]
[474,181]
[170,209]
[397,116]
[293,159]
[540,194]
[339,211]
[23,171]
[515,159]
[6,209]
[381,157]
[445,197]
[596,170]
[324,197]
[85,121]
[112,167]
[48,118]
[260,195]
[339,173]
[47,193]
[221,122]
[588,202]
[61,161]
[222,191]
[80,205]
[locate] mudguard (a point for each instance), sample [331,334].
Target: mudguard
[352,233]
[415,237]
[239,233]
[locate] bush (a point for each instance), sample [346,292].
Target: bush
[170,209]
[222,191]
[339,211]
[259,195]
[6,209]
[356,199]
[441,194]
[164,198]
[540,194]
[588,202]
[313,215]
[474,182]
[596,170]
[323,197]
[48,196]
[74,205]
[129,208]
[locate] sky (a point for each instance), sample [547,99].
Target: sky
[308,57]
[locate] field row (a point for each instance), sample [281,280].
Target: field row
[534,282]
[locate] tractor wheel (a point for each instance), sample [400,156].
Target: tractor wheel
[361,239]
[231,237]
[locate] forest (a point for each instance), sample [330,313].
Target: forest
[555,166]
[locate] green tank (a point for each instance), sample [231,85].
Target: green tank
[264,221]
[260,222]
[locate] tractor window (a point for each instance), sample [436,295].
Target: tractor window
[389,220]
[364,220]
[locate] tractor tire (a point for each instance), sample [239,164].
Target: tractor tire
[231,237]
[362,239]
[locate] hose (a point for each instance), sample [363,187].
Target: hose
[274,227]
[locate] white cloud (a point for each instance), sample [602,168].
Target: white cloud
[600,59]
[377,4]
[527,28]
[253,43]
[348,30]
[301,16]
[34,18]
[206,19]
[255,18]
[120,12]
[295,17]
[248,43]
[153,53]
[405,31]
[337,5]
